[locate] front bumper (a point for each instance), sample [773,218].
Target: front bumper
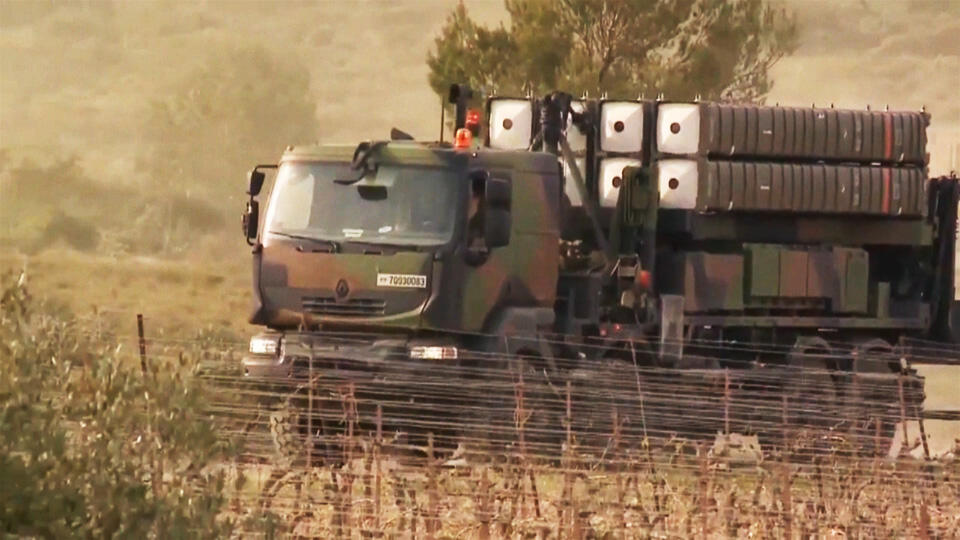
[340,359]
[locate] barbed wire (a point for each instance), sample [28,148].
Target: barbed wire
[614,441]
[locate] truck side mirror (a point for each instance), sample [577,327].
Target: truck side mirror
[498,192]
[496,230]
[489,220]
[251,220]
[459,95]
[255,182]
[497,199]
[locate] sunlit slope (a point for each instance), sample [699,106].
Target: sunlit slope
[83,78]
[904,54]
[91,72]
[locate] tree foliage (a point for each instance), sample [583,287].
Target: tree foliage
[719,49]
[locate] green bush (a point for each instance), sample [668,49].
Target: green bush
[78,233]
[90,446]
[91,213]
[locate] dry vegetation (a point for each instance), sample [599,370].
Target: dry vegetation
[160,452]
[685,497]
[176,297]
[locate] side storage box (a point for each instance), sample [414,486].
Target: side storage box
[709,282]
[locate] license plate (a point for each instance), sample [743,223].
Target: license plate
[409,281]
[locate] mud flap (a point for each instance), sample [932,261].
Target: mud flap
[671,329]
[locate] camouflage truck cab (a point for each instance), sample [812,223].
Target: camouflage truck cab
[420,245]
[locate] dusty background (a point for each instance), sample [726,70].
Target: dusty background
[80,77]
[80,80]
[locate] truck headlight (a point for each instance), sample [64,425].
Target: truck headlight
[264,344]
[434,353]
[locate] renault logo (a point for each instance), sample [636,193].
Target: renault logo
[342,289]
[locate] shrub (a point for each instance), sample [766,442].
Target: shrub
[90,446]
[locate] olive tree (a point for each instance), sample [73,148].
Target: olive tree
[717,49]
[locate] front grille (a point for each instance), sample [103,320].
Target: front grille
[328,305]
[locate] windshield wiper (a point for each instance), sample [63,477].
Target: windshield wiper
[334,245]
[388,245]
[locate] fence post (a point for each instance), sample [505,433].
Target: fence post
[156,477]
[566,504]
[483,509]
[903,412]
[520,421]
[785,424]
[309,415]
[143,344]
[704,488]
[377,448]
[618,471]
[432,514]
[726,401]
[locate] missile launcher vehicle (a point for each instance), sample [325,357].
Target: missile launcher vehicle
[769,253]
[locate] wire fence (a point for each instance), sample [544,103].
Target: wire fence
[353,439]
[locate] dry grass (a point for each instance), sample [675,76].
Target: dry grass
[663,494]
[177,298]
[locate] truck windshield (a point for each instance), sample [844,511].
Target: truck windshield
[399,204]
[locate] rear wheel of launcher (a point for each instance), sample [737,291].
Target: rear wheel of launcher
[617,393]
[871,395]
[538,405]
[812,402]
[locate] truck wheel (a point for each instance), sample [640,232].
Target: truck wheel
[812,398]
[871,396]
[539,404]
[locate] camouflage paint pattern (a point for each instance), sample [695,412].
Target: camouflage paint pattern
[298,287]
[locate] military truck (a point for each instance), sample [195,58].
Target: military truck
[697,239]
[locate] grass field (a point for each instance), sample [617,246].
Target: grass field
[176,297]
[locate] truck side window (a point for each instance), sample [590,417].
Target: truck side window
[475,216]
